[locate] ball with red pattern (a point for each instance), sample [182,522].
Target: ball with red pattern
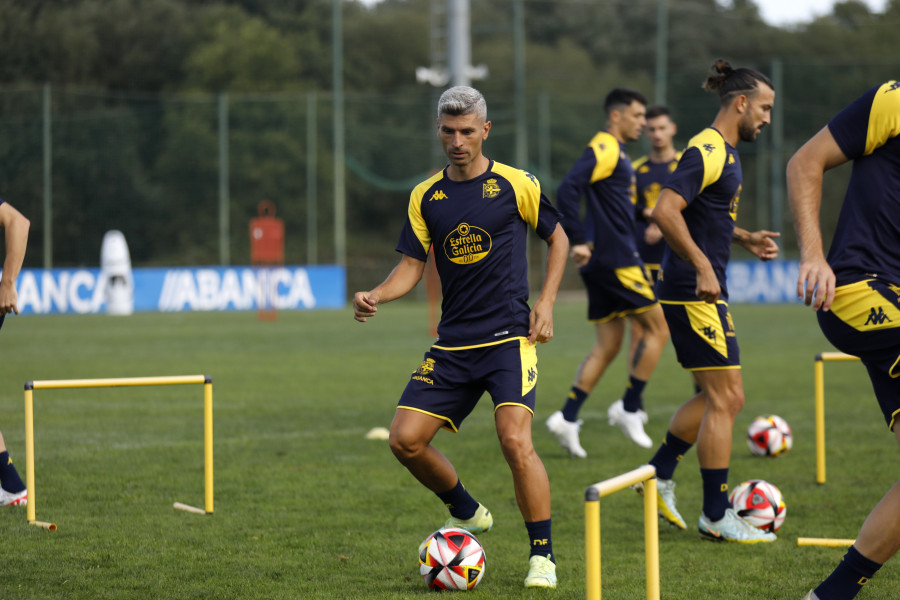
[451,559]
[759,503]
[769,436]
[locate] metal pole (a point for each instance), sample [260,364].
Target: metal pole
[48,181]
[662,50]
[459,52]
[224,248]
[340,194]
[519,77]
[777,210]
[312,230]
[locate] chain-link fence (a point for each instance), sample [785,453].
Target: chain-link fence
[182,175]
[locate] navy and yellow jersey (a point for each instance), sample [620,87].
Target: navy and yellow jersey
[649,178]
[708,177]
[867,237]
[603,175]
[478,228]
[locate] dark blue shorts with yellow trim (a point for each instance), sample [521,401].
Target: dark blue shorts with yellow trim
[618,292]
[864,321]
[449,382]
[703,335]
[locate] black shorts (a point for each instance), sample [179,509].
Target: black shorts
[614,293]
[703,335]
[864,321]
[449,382]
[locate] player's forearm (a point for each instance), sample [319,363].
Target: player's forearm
[557,253]
[804,183]
[675,231]
[16,242]
[402,279]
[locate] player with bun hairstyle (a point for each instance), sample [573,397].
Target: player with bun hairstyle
[696,212]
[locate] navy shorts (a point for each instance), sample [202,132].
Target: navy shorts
[614,293]
[449,382]
[864,321]
[703,335]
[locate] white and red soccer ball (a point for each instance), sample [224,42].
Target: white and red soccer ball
[769,436]
[759,503]
[451,559]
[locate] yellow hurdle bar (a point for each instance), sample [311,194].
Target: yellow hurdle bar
[827,542]
[56,384]
[592,495]
[819,375]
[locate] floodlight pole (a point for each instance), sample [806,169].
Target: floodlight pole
[337,76]
[662,50]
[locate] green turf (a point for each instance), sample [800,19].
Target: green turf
[307,508]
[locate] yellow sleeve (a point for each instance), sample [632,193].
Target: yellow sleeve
[606,152]
[414,212]
[527,189]
[884,117]
[712,149]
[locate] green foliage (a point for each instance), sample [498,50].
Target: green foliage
[135,142]
[305,507]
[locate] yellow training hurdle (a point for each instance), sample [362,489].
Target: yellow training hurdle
[819,374]
[119,382]
[592,495]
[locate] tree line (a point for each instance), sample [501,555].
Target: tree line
[135,122]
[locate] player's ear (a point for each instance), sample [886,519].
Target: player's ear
[487,128]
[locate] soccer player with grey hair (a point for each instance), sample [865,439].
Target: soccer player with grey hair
[477,213]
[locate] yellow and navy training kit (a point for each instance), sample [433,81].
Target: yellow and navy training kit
[708,177]
[703,335]
[478,229]
[649,179]
[864,319]
[449,382]
[615,279]
[604,177]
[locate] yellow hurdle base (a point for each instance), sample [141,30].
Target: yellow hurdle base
[827,542]
[43,524]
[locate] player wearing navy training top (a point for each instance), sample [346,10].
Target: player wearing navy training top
[651,172]
[856,290]
[15,226]
[476,213]
[618,289]
[696,212]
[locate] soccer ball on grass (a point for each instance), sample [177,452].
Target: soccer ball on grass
[451,559]
[759,503]
[769,436]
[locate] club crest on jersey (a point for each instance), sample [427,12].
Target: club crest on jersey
[491,189]
[467,244]
[438,195]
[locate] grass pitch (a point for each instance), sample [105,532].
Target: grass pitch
[306,507]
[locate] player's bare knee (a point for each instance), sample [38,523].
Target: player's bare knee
[405,448]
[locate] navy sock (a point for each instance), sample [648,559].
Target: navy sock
[573,404]
[539,538]
[715,493]
[632,399]
[461,504]
[853,572]
[669,455]
[9,477]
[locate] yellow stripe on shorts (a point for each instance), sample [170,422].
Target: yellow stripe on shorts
[863,308]
[634,278]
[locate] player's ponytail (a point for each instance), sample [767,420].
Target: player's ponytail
[729,82]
